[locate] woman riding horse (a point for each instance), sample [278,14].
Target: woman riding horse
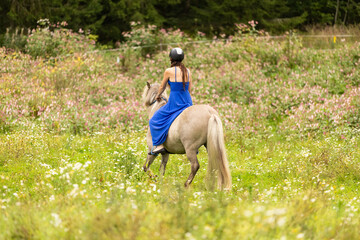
[182,128]
[179,100]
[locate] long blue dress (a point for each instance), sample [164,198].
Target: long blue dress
[161,121]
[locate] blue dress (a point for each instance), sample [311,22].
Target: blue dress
[161,121]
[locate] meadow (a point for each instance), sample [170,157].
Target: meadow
[73,128]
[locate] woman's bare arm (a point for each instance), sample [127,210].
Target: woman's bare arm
[190,82]
[163,84]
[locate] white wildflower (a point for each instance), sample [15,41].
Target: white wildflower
[300,235]
[75,191]
[77,166]
[281,221]
[248,213]
[56,221]
[153,186]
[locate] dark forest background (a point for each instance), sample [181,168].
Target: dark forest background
[110,18]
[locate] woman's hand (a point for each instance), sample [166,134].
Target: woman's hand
[158,98]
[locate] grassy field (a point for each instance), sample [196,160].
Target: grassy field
[91,187]
[72,145]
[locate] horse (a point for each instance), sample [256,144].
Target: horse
[196,126]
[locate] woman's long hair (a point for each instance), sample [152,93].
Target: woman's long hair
[183,70]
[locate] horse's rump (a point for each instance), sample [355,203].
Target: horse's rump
[189,129]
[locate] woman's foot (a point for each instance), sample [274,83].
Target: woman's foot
[158,149]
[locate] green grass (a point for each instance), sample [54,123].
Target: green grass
[93,187]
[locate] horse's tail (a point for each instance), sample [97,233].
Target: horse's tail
[218,163]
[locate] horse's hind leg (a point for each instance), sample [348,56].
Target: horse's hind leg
[164,160]
[191,155]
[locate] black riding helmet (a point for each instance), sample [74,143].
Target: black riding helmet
[176,54]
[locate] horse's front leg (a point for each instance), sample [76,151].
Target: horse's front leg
[164,160]
[149,160]
[191,155]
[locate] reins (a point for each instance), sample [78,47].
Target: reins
[156,100]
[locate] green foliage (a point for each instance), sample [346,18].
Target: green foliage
[46,42]
[150,40]
[14,40]
[111,18]
[280,25]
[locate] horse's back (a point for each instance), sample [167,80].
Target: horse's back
[189,129]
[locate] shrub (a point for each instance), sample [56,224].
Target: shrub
[151,40]
[51,40]
[15,40]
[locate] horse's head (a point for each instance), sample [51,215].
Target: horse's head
[150,92]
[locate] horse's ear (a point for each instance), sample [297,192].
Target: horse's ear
[148,84]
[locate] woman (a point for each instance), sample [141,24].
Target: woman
[180,81]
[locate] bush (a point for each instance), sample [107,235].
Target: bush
[51,40]
[151,40]
[15,40]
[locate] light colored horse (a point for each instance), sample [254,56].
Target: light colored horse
[196,126]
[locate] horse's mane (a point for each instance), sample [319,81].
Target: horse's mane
[149,94]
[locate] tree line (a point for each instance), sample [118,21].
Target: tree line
[110,18]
